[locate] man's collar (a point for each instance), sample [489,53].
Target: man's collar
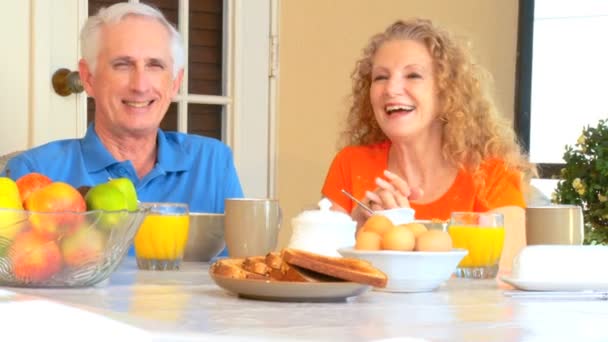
[171,155]
[96,157]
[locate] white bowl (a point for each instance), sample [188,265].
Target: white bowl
[398,215]
[410,271]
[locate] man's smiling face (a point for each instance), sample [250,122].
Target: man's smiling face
[133,82]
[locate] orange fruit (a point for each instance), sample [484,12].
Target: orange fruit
[398,238]
[434,241]
[377,224]
[416,228]
[369,241]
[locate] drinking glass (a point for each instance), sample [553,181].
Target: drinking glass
[161,238]
[483,235]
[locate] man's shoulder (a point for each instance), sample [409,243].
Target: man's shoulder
[50,149]
[48,158]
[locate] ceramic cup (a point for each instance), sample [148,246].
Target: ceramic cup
[251,226]
[554,225]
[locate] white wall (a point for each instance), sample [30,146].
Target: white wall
[14,75]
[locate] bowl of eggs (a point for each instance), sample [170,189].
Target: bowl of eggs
[414,258]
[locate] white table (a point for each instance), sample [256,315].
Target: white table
[187,305]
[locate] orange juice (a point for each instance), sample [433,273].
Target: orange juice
[162,237]
[483,243]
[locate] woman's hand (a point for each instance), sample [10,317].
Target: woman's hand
[394,192]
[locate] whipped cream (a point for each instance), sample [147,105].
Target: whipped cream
[322,231]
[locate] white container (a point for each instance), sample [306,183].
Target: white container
[411,271]
[322,231]
[562,263]
[398,215]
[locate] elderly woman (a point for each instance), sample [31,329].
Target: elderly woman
[423,133]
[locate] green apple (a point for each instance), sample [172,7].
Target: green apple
[128,189]
[12,219]
[107,197]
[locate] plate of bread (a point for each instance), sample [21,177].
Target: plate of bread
[295,275]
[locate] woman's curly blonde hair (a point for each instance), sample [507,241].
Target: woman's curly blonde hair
[473,131]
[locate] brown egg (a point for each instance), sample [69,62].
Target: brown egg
[416,228]
[377,224]
[434,241]
[368,241]
[398,239]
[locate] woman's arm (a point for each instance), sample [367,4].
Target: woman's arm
[515,235]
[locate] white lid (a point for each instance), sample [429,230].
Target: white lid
[324,216]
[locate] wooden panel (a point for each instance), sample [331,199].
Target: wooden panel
[95,5]
[205,120]
[205,47]
[206,6]
[168,7]
[169,122]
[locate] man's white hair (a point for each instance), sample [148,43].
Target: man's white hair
[90,34]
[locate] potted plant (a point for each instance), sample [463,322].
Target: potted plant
[584,181]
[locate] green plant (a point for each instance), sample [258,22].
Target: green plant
[584,181]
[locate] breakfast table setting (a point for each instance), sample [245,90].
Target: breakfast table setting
[157,272]
[186,305]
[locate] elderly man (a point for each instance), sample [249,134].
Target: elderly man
[132,66]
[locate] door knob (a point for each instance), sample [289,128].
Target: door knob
[66,82]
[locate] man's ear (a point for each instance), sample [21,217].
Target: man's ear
[86,76]
[177,82]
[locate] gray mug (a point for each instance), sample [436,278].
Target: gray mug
[251,226]
[554,225]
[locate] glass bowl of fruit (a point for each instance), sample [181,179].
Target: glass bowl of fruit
[58,236]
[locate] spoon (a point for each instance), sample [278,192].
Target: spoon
[368,209]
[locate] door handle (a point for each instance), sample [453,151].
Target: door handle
[66,82]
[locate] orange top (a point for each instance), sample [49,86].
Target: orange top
[355,169]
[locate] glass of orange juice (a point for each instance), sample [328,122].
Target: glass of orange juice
[161,238]
[483,235]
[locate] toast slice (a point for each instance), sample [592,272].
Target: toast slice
[270,267]
[233,268]
[282,271]
[355,270]
[257,265]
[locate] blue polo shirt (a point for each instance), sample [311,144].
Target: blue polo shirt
[190,169]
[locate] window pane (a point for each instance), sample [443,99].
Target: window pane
[205,47]
[169,122]
[168,7]
[95,5]
[90,110]
[205,120]
[568,74]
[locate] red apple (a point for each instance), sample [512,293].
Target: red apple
[34,259]
[31,182]
[57,209]
[85,246]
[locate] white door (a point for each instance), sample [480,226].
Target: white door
[248,110]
